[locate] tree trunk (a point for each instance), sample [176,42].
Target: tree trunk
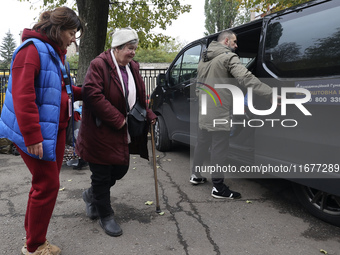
[94,14]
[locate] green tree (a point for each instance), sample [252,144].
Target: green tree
[271,5]
[223,14]
[243,16]
[73,61]
[99,15]
[220,14]
[7,49]
[165,53]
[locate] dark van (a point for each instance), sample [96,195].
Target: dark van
[297,47]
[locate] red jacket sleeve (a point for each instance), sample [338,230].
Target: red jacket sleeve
[25,68]
[77,93]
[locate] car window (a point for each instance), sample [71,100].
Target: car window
[304,43]
[175,71]
[185,66]
[246,61]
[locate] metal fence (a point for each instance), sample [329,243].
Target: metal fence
[149,76]
[4,74]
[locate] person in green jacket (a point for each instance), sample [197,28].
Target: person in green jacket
[220,65]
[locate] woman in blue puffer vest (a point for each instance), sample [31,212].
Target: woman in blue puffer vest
[36,113]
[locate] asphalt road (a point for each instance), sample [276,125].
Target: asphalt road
[268,220]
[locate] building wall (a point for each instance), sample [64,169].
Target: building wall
[72,50]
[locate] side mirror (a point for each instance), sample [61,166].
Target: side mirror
[161,80]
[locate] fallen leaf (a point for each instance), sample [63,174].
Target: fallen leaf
[248,202]
[323,251]
[134,168]
[169,159]
[161,213]
[70,180]
[62,189]
[149,202]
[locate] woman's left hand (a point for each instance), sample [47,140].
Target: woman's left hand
[153,122]
[36,149]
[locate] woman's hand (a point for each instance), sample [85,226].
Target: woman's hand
[36,149]
[153,122]
[122,124]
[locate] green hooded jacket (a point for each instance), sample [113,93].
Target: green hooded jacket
[221,66]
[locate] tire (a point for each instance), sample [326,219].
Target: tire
[320,204]
[162,141]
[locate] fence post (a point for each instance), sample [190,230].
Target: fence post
[4,75]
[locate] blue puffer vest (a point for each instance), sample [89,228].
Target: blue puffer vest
[48,98]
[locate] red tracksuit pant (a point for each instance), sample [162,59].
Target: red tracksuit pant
[43,194]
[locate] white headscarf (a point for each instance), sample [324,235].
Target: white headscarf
[131,82]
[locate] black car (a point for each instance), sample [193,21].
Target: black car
[297,47]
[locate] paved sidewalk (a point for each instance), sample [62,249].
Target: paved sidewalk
[193,222]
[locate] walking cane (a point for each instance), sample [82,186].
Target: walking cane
[158,209]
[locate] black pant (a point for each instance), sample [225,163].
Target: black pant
[218,142]
[102,179]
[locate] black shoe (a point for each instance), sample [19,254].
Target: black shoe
[15,151]
[197,180]
[225,193]
[81,163]
[110,226]
[91,210]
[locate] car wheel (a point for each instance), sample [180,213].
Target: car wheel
[162,141]
[321,204]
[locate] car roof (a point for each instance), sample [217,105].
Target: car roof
[254,26]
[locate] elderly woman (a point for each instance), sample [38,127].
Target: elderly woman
[111,88]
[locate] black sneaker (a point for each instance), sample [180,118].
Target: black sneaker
[14,151]
[225,193]
[195,180]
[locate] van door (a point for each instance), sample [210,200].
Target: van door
[302,49]
[242,135]
[180,91]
